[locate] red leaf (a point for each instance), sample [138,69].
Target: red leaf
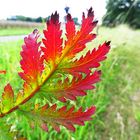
[31,62]
[91,60]
[76,87]
[70,27]
[76,42]
[53,42]
[49,77]
[67,118]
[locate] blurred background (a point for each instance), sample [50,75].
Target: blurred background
[117,96]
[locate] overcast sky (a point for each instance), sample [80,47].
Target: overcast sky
[36,8]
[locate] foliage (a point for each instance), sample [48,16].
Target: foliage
[28,19]
[122,60]
[51,72]
[123,11]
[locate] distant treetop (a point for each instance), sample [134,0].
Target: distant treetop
[122,11]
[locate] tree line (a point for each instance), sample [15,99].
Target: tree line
[122,12]
[29,19]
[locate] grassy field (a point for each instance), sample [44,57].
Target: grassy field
[15,31]
[18,27]
[117,96]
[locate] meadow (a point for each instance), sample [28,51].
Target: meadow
[117,96]
[8,28]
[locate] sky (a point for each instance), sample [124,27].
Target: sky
[36,8]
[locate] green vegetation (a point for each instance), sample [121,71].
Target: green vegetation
[117,96]
[122,11]
[29,19]
[17,30]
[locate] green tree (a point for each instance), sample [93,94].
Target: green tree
[39,19]
[122,11]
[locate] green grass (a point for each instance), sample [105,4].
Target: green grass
[117,96]
[14,31]
[17,30]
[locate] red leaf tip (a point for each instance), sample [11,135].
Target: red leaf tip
[33,36]
[44,127]
[35,31]
[54,18]
[108,43]
[90,12]
[99,72]
[91,110]
[69,18]
[2,72]
[95,23]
